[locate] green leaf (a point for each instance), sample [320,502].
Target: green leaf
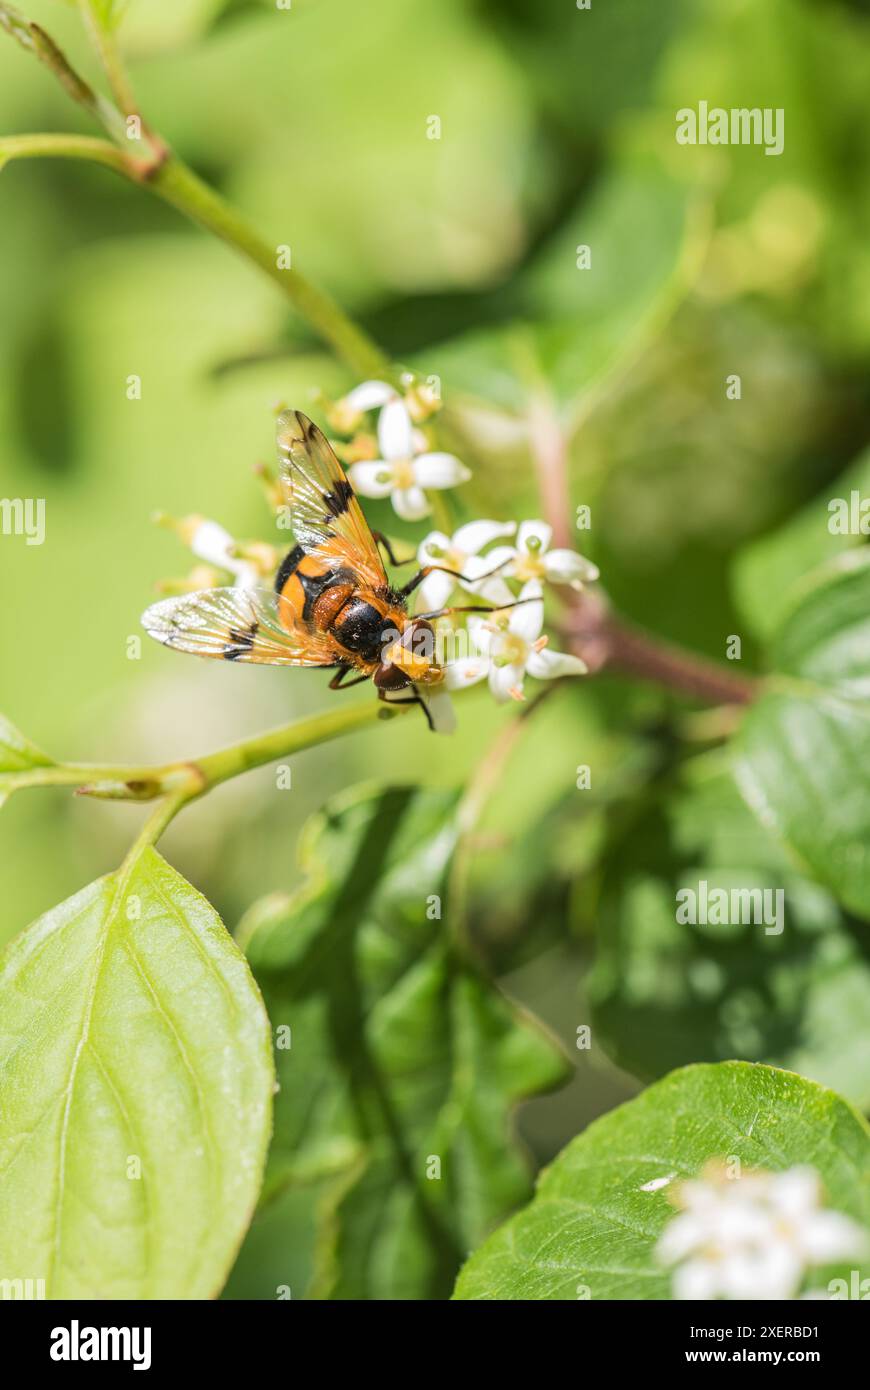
[401,1064]
[767,571]
[136,1082]
[584,323]
[666,992]
[593,1225]
[803,752]
[17,754]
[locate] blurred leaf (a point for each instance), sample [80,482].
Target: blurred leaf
[401,1064]
[587,66]
[766,571]
[130,1031]
[668,992]
[593,1224]
[803,751]
[106,13]
[17,754]
[584,323]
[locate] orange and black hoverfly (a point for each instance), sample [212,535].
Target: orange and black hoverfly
[332,604]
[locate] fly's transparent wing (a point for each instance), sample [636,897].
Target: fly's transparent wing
[253,625]
[325,514]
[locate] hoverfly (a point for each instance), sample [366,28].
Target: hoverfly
[332,604]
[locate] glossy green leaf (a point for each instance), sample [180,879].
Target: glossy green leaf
[591,1230]
[667,992]
[802,757]
[398,1063]
[136,1093]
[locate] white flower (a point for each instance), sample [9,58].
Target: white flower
[210,542]
[512,642]
[437,700]
[404,470]
[460,552]
[531,558]
[369,395]
[346,414]
[753,1237]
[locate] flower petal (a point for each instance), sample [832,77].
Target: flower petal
[440,707]
[534,531]
[441,542]
[827,1236]
[480,632]
[503,680]
[771,1271]
[696,1280]
[247,577]
[440,470]
[466,670]
[411,503]
[683,1234]
[372,479]
[395,431]
[528,619]
[434,592]
[369,395]
[486,573]
[474,535]
[567,567]
[547,666]
[492,591]
[210,542]
[796,1192]
[475,581]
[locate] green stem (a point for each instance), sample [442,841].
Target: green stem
[165,811]
[290,739]
[49,146]
[178,185]
[104,42]
[190,779]
[169,178]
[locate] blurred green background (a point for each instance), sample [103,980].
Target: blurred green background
[459,255]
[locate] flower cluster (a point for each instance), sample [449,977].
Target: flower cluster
[753,1237]
[502,566]
[400,465]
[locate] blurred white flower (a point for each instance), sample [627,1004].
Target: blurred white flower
[208,541]
[512,643]
[346,415]
[437,700]
[404,471]
[753,1237]
[460,552]
[532,558]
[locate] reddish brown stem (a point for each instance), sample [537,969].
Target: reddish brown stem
[605,640]
[600,637]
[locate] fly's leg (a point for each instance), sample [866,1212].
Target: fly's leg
[475,608]
[339,683]
[411,700]
[382,541]
[445,569]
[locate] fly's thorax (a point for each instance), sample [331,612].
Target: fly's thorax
[363,628]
